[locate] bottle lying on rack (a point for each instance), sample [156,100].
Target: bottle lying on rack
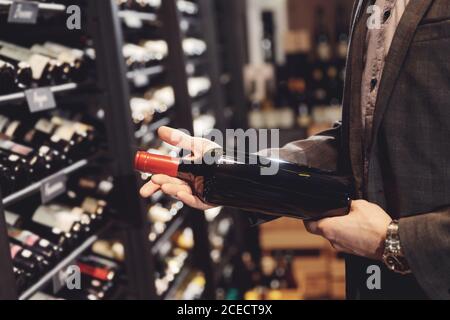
[98,277]
[50,229]
[32,163]
[193,47]
[31,149]
[27,260]
[139,5]
[7,77]
[43,64]
[34,243]
[275,188]
[154,104]
[23,279]
[139,57]
[45,70]
[187,7]
[198,86]
[72,59]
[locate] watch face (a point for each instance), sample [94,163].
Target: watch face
[397,264]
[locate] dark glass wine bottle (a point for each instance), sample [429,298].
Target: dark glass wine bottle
[7,77]
[27,260]
[47,227]
[23,75]
[38,164]
[34,243]
[45,71]
[291,190]
[23,279]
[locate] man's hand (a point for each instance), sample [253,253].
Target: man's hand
[173,186]
[362,232]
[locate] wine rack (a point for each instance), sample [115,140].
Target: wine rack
[111,90]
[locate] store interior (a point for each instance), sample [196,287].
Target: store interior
[83,87]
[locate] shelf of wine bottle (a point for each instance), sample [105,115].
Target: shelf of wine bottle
[174,225]
[146,72]
[143,16]
[17,96]
[35,187]
[43,281]
[42,6]
[225,260]
[179,280]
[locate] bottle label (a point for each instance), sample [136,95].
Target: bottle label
[10,131]
[40,99]
[14,249]
[14,52]
[90,205]
[23,12]
[23,236]
[15,148]
[55,216]
[45,126]
[38,64]
[11,218]
[64,133]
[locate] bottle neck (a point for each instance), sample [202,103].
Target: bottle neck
[156,164]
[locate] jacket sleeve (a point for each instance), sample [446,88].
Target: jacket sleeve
[426,243]
[320,151]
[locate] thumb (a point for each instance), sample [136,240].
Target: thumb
[176,138]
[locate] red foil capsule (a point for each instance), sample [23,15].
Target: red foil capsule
[156,164]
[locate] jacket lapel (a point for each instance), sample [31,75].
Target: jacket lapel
[394,61]
[352,95]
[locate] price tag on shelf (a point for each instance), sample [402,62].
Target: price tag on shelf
[23,12]
[40,99]
[53,187]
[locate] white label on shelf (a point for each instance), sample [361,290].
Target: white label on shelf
[23,12]
[53,187]
[40,99]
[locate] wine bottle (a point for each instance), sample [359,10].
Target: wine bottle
[7,77]
[68,219]
[49,231]
[22,75]
[96,267]
[23,279]
[45,71]
[293,190]
[71,64]
[25,131]
[8,182]
[139,5]
[34,243]
[80,136]
[38,164]
[27,260]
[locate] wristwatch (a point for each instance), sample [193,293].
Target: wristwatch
[393,256]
